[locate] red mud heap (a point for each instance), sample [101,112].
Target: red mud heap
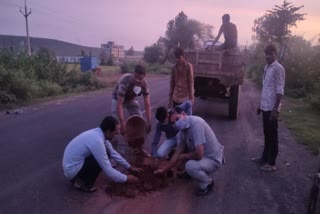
[148,180]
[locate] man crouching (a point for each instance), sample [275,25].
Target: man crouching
[198,147]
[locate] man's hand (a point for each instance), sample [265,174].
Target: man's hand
[159,171]
[148,128]
[123,130]
[135,169]
[132,179]
[258,111]
[192,100]
[183,157]
[274,115]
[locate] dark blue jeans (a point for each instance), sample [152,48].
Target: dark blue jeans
[89,171]
[270,129]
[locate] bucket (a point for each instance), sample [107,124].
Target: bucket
[136,131]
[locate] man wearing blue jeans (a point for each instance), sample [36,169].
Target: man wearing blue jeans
[162,115]
[198,147]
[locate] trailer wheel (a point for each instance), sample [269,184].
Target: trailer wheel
[234,102]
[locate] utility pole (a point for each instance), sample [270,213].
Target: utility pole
[26,14]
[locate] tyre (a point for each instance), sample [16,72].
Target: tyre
[234,102]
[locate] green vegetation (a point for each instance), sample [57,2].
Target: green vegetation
[301,109]
[303,121]
[24,78]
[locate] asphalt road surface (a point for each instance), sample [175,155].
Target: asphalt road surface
[32,145]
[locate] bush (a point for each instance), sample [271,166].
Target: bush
[127,67]
[315,103]
[50,89]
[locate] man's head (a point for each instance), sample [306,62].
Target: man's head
[179,54]
[110,127]
[226,18]
[179,118]
[162,114]
[139,73]
[270,53]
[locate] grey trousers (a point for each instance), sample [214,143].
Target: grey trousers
[200,171]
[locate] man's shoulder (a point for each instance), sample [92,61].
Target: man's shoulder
[126,78]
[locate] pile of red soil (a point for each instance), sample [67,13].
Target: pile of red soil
[148,181]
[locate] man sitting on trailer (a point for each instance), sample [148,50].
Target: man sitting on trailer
[230,33]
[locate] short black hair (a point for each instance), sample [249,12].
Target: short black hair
[109,123]
[226,17]
[161,113]
[140,69]
[176,109]
[270,49]
[178,52]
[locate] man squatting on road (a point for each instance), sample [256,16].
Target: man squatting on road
[164,125]
[88,153]
[204,152]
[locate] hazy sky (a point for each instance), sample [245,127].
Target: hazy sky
[139,23]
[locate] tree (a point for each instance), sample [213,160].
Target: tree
[184,32]
[46,54]
[152,54]
[275,25]
[130,52]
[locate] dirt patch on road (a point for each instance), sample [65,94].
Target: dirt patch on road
[149,182]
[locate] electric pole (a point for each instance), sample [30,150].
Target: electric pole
[26,14]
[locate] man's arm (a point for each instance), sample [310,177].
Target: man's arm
[218,36]
[198,154]
[172,85]
[99,152]
[191,84]
[174,160]
[156,139]
[120,101]
[148,111]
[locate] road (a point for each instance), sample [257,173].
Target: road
[32,145]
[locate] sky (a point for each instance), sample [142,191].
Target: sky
[139,23]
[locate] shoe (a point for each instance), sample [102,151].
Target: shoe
[268,168]
[206,190]
[78,184]
[259,161]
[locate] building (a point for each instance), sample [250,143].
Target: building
[113,50]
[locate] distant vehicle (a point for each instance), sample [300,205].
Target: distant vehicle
[218,74]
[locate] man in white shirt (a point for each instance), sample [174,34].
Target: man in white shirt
[272,92]
[88,153]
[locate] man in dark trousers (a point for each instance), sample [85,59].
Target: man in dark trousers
[89,153]
[272,92]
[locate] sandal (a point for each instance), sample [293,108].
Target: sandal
[268,168]
[83,188]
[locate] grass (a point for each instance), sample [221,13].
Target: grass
[104,68]
[303,121]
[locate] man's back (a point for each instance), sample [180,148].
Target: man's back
[199,133]
[230,34]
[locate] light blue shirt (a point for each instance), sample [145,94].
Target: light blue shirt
[199,132]
[92,142]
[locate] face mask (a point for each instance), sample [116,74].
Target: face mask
[181,124]
[136,90]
